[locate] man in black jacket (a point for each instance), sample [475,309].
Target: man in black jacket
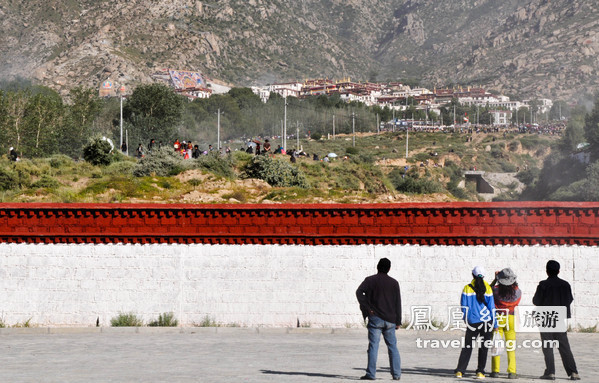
[380,301]
[556,292]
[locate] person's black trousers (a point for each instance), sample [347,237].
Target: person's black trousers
[483,351]
[564,351]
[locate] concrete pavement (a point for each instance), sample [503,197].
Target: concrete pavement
[246,355]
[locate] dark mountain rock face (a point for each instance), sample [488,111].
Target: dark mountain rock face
[533,47]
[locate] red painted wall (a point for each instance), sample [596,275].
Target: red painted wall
[500,223]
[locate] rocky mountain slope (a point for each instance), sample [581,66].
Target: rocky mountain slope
[533,47]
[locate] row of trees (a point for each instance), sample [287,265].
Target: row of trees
[36,121]
[571,172]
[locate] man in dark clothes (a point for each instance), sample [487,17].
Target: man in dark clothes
[554,291]
[380,301]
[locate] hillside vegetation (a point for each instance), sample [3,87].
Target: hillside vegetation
[374,172]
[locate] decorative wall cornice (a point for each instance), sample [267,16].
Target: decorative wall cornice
[498,223]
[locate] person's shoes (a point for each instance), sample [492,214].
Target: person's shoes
[459,375]
[367,377]
[547,377]
[479,375]
[512,375]
[494,375]
[574,376]
[396,378]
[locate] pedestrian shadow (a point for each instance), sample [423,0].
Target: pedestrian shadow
[442,372]
[310,374]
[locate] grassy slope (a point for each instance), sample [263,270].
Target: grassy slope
[364,177]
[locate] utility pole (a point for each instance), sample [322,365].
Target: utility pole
[378,124]
[560,110]
[282,135]
[122,92]
[353,128]
[297,134]
[285,128]
[218,131]
[454,121]
[333,126]
[408,134]
[121,122]
[393,128]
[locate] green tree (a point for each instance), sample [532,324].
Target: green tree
[84,108]
[245,98]
[591,130]
[574,133]
[590,190]
[3,122]
[15,103]
[154,111]
[41,124]
[559,109]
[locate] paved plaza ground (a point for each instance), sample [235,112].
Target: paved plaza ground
[246,355]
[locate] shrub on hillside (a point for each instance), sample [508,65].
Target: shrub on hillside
[418,186]
[216,164]
[316,136]
[162,162]
[97,151]
[352,150]
[47,182]
[60,161]
[120,168]
[8,179]
[529,177]
[413,183]
[275,172]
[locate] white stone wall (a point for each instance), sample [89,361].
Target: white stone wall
[256,285]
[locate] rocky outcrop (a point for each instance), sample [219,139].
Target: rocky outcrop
[532,47]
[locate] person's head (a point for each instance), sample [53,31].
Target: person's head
[383,266]
[507,284]
[506,277]
[196,147]
[552,268]
[479,283]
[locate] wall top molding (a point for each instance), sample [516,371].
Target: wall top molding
[459,223]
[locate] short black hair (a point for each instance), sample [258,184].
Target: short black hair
[384,265]
[553,267]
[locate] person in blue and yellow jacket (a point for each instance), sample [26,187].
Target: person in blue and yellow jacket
[478,308]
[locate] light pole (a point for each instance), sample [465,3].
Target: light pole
[218,131]
[285,127]
[122,91]
[333,126]
[353,128]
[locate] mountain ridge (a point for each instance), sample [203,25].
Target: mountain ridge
[533,48]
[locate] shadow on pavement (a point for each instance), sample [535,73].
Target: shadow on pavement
[310,374]
[444,372]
